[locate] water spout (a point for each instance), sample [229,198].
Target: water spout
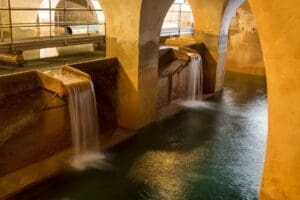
[83,117]
[195,84]
[83,120]
[84,124]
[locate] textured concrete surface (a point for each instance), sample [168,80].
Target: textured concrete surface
[278,28]
[34,121]
[172,76]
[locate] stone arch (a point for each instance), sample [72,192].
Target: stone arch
[244,53]
[182,7]
[229,12]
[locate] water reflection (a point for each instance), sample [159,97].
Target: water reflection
[157,169]
[213,152]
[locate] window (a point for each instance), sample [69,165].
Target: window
[179,19]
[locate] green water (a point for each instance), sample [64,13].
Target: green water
[215,151]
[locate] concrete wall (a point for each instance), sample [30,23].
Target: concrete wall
[104,73]
[34,124]
[172,77]
[35,117]
[278,27]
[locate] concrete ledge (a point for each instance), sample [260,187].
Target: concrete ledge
[49,83]
[259,71]
[180,41]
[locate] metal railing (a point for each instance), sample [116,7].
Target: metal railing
[50,28]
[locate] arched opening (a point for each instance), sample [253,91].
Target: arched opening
[175,55]
[240,57]
[244,52]
[239,44]
[179,20]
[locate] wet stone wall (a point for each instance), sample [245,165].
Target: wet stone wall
[34,122]
[104,74]
[172,77]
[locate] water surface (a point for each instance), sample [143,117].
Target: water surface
[214,151]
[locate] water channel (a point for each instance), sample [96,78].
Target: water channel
[214,151]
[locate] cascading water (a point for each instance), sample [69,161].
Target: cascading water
[84,124]
[195,84]
[84,121]
[83,117]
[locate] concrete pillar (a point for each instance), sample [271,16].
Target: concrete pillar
[122,41]
[152,16]
[133,37]
[229,12]
[133,29]
[278,28]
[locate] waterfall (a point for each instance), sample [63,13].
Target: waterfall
[83,119]
[84,124]
[195,83]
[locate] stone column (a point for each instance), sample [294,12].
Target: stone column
[122,39]
[133,32]
[278,28]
